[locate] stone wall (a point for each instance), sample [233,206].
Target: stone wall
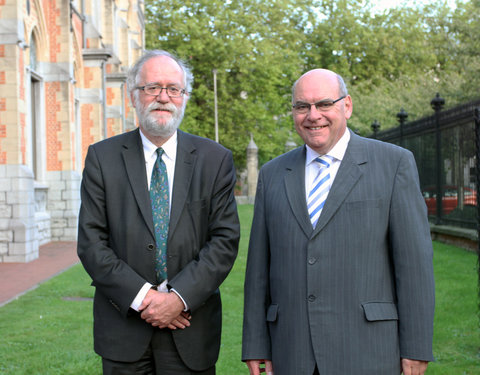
[63,70]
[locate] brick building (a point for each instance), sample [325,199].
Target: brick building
[63,67]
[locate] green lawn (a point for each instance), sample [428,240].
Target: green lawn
[46,331]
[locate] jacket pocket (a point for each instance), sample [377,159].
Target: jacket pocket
[272,313]
[380,311]
[364,204]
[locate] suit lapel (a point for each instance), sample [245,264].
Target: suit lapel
[184,166]
[347,177]
[134,160]
[295,188]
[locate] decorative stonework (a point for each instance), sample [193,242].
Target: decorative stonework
[18,231]
[42,216]
[62,87]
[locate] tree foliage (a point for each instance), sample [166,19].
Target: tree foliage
[398,58]
[254,46]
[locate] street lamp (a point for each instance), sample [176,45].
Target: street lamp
[215,101]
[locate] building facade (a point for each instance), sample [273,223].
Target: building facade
[63,70]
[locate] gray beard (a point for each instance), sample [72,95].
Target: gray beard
[150,123]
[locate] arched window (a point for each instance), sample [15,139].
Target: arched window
[35,98]
[33,54]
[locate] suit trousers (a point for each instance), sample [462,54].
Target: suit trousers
[161,358]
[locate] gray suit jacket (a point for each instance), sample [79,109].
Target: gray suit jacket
[355,294]
[116,242]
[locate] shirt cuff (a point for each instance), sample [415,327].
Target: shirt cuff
[137,302]
[164,287]
[179,296]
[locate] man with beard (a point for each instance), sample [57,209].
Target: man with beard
[158,232]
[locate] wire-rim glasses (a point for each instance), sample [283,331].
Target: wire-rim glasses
[321,106]
[155,90]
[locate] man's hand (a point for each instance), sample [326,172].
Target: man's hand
[255,366]
[182,321]
[413,367]
[163,310]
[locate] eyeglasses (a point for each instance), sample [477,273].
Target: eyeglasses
[155,90]
[321,106]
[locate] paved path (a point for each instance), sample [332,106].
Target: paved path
[18,278]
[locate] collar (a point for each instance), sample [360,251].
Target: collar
[169,147]
[337,152]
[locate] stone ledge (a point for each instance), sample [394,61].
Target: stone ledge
[461,237]
[243,199]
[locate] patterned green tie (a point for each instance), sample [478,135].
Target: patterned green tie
[160,210]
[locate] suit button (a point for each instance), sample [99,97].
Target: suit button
[151,247]
[312,260]
[311,298]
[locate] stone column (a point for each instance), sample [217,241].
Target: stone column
[290,144]
[116,103]
[18,232]
[252,169]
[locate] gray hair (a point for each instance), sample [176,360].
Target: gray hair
[134,72]
[342,87]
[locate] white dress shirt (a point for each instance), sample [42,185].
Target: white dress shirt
[169,158]
[337,153]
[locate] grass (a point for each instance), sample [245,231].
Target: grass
[46,332]
[456,335]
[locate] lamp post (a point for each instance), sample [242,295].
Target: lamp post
[375,127]
[215,101]
[437,103]
[402,116]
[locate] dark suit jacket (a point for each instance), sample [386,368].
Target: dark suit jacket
[116,242]
[355,294]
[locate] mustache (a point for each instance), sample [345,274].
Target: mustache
[163,107]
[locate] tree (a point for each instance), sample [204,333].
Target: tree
[392,59]
[400,57]
[254,45]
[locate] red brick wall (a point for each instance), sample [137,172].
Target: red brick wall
[21,70]
[23,140]
[3,131]
[77,25]
[87,126]
[110,124]
[127,101]
[88,77]
[110,95]
[53,107]
[54,30]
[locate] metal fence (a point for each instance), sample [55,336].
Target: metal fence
[444,146]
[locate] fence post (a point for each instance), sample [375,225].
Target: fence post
[402,116]
[477,174]
[437,104]
[375,127]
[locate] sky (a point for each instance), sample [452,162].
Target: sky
[382,5]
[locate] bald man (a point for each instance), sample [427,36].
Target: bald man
[339,277]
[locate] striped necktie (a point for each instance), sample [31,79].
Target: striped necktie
[160,209]
[320,188]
